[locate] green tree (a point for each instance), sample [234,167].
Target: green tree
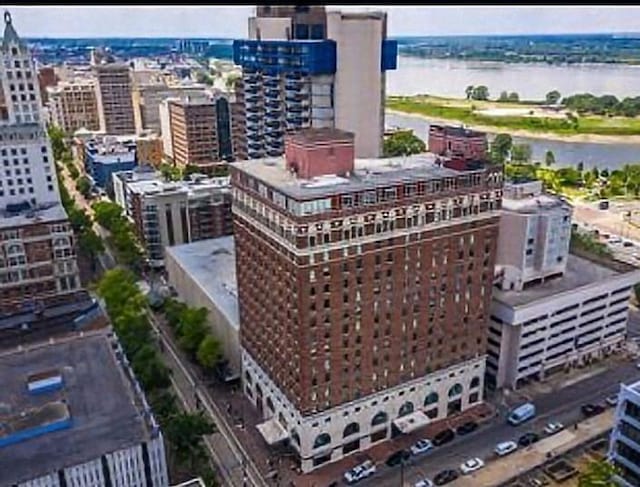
[170,172]
[90,244]
[403,143]
[521,153]
[500,148]
[209,352]
[552,97]
[116,287]
[604,173]
[78,218]
[480,93]
[185,432]
[107,214]
[504,96]
[173,310]
[83,185]
[73,171]
[56,136]
[469,92]
[150,370]
[549,158]
[513,97]
[192,328]
[598,474]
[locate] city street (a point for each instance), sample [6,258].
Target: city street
[562,405]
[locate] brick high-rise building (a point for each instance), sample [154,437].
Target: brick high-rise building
[364,290]
[115,102]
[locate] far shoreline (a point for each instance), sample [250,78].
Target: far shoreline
[581,138]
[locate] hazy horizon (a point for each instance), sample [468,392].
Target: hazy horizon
[230,22]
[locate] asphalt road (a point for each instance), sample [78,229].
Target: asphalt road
[562,405]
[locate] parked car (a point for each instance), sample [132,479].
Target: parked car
[423,483]
[553,427]
[445,476]
[603,205]
[615,240]
[591,409]
[397,457]
[628,243]
[612,400]
[467,427]
[471,465]
[445,436]
[528,439]
[421,446]
[505,448]
[359,472]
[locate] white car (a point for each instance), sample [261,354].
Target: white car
[359,472]
[421,446]
[471,465]
[553,427]
[505,448]
[612,400]
[615,240]
[423,483]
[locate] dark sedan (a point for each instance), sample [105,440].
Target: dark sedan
[467,428]
[445,476]
[445,436]
[528,439]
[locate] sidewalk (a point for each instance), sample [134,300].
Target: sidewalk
[322,477]
[524,460]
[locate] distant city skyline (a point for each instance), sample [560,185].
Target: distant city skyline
[231,21]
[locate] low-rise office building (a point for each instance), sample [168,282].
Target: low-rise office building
[448,140]
[173,213]
[73,414]
[108,155]
[624,448]
[562,322]
[204,274]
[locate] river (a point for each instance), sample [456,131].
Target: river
[610,155]
[531,81]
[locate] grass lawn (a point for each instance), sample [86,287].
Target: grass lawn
[462,110]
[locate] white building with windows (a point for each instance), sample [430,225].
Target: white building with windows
[563,322]
[26,170]
[536,231]
[624,448]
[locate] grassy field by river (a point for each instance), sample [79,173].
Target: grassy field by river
[478,114]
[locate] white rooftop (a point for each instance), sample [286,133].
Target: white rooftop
[211,264]
[49,213]
[367,174]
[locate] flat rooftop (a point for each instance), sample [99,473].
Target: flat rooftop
[52,212]
[211,264]
[325,134]
[533,204]
[367,174]
[191,188]
[579,273]
[105,412]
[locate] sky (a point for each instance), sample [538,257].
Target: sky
[231,21]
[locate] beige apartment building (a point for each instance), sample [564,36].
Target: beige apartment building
[115,103]
[74,105]
[148,97]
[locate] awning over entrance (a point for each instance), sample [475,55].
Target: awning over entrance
[272,431]
[411,422]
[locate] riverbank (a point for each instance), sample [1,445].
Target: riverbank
[552,127]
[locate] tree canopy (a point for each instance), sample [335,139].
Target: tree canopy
[500,148]
[552,97]
[403,143]
[598,474]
